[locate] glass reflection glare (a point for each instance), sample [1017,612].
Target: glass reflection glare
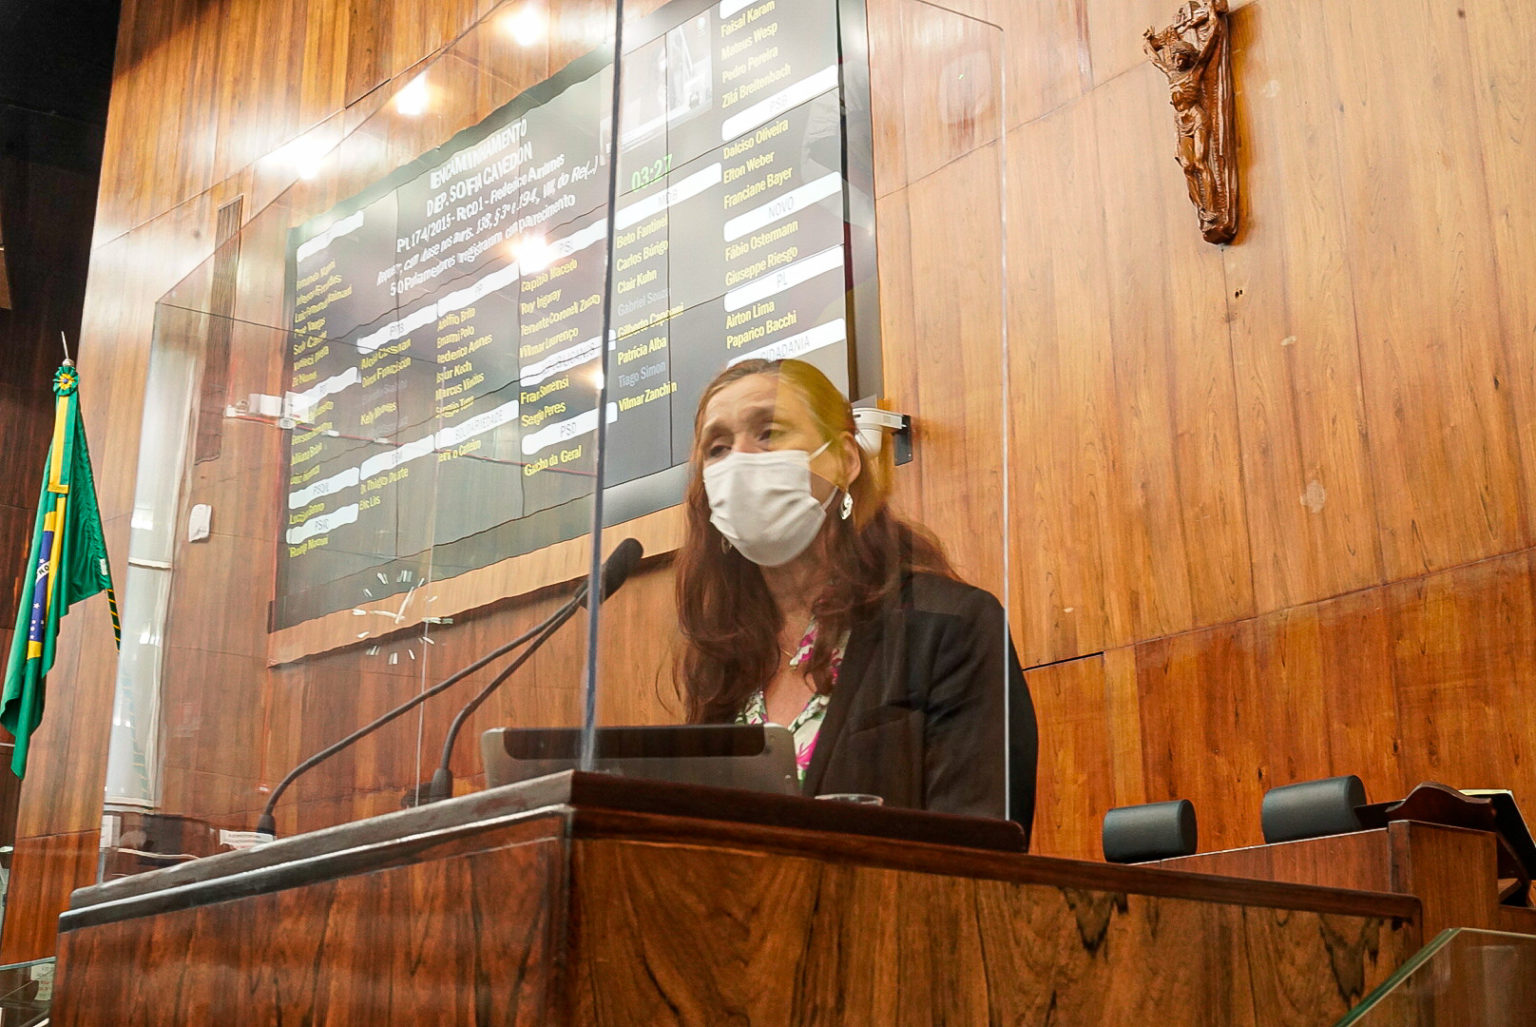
[532,253]
[528,25]
[412,101]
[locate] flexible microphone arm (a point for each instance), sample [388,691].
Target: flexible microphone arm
[442,777]
[621,562]
[268,825]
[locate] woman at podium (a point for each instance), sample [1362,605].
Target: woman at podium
[804,600]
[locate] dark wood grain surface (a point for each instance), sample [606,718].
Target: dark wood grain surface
[1452,870]
[596,909]
[43,872]
[679,934]
[469,939]
[1358,860]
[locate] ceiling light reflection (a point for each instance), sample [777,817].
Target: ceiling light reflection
[412,100]
[528,25]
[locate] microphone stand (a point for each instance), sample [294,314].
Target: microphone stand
[442,777]
[616,570]
[266,824]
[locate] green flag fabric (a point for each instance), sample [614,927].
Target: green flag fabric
[67,563]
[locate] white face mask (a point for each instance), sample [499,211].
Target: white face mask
[762,503]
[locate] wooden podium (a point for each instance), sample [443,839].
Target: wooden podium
[1452,871]
[587,899]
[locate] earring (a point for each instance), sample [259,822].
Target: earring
[847,505]
[725,545]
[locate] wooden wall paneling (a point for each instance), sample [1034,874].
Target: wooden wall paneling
[497,67]
[457,645]
[330,697]
[1503,86]
[327,42]
[639,639]
[1122,698]
[1061,390]
[390,758]
[255,96]
[546,691]
[1114,38]
[118,331]
[886,24]
[990,42]
[578,27]
[187,150]
[1075,773]
[385,41]
[399,754]
[1421,251]
[243,490]
[558,671]
[1090,750]
[367,52]
[1464,666]
[898,326]
[44,870]
[951,90]
[257,335]
[216,602]
[152,136]
[334,698]
[957,402]
[1309,497]
[282,717]
[1045,51]
[1329,704]
[1046,47]
[419,29]
[1176,540]
[211,734]
[1201,729]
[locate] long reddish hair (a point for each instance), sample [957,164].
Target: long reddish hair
[729,621]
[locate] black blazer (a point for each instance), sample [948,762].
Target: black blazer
[917,714]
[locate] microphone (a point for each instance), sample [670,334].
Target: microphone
[616,570]
[621,563]
[266,824]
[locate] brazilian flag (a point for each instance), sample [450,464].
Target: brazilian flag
[68,563]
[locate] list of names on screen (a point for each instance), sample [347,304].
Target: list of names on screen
[446,324]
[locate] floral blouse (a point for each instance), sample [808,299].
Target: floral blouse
[807,725]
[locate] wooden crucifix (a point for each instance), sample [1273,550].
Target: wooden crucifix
[1194,53]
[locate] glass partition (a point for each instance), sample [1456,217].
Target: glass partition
[26,993]
[1463,976]
[423,362]
[368,454]
[834,573]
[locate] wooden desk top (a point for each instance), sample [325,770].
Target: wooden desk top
[574,805]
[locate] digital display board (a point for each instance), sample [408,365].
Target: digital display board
[447,322]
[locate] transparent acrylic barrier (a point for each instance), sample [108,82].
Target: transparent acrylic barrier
[26,992]
[368,452]
[1462,977]
[342,504]
[871,131]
